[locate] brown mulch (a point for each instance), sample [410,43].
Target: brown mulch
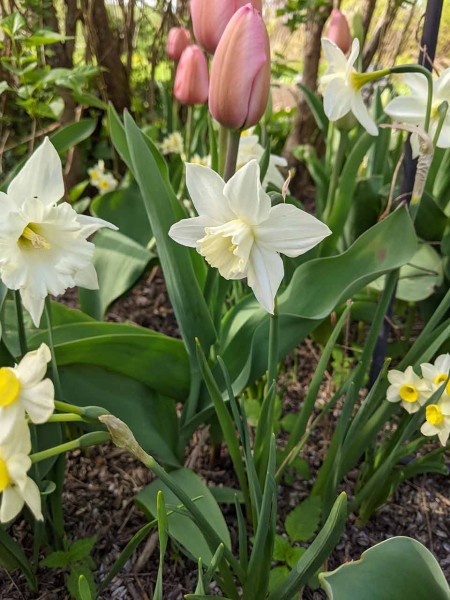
[100,486]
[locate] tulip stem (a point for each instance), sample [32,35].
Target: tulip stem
[55,372]
[189,132]
[223,145]
[232,153]
[20,324]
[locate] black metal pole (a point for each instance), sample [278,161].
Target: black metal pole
[428,46]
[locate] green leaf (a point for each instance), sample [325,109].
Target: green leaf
[181,527]
[294,555]
[395,569]
[76,572]
[81,549]
[281,548]
[119,262]
[43,37]
[152,418]
[302,522]
[186,296]
[277,576]
[316,554]
[12,23]
[13,557]
[125,208]
[57,560]
[316,288]
[84,589]
[316,106]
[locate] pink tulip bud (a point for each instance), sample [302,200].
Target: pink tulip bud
[192,79]
[210,17]
[177,40]
[240,72]
[339,31]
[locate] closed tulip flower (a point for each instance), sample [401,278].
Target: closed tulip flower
[339,31]
[179,39]
[210,17]
[240,73]
[192,79]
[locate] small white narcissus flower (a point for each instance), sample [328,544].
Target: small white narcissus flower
[96,173]
[240,233]
[16,488]
[437,421]
[43,245]
[412,109]
[24,391]
[437,374]
[407,388]
[172,144]
[106,183]
[342,86]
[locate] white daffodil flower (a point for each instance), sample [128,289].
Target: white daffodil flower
[24,391]
[342,85]
[43,245]
[412,109]
[251,149]
[437,421]
[240,233]
[106,183]
[172,144]
[96,173]
[407,388]
[16,488]
[438,373]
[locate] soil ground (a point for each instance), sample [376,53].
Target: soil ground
[100,486]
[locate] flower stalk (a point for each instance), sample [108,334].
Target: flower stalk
[85,441]
[55,372]
[234,138]
[20,324]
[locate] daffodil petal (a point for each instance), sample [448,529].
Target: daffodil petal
[407,109]
[354,53]
[428,429]
[32,497]
[360,111]
[417,83]
[246,196]
[41,177]
[12,504]
[87,278]
[336,99]
[334,55]
[264,276]
[39,402]
[33,366]
[444,136]
[10,416]
[18,466]
[206,189]
[189,231]
[290,231]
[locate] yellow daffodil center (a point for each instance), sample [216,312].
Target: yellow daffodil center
[434,414]
[4,475]
[435,113]
[104,184]
[9,387]
[222,249]
[408,393]
[31,237]
[440,379]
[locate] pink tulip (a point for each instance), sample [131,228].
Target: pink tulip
[210,17]
[177,40]
[240,72]
[192,79]
[339,31]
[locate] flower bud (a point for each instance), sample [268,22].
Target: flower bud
[192,79]
[240,72]
[210,17]
[177,40]
[339,31]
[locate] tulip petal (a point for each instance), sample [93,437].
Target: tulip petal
[264,276]
[334,55]
[336,98]
[246,196]
[407,109]
[290,231]
[360,111]
[189,231]
[206,189]
[40,177]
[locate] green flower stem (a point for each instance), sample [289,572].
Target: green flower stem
[272,370]
[335,173]
[189,132]
[66,418]
[89,439]
[20,323]
[68,408]
[442,112]
[428,75]
[55,372]
[223,145]
[123,438]
[232,154]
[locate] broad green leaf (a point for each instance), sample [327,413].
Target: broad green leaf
[81,549]
[316,288]
[119,262]
[302,522]
[181,527]
[277,576]
[12,23]
[316,106]
[152,418]
[399,568]
[125,208]
[186,296]
[418,279]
